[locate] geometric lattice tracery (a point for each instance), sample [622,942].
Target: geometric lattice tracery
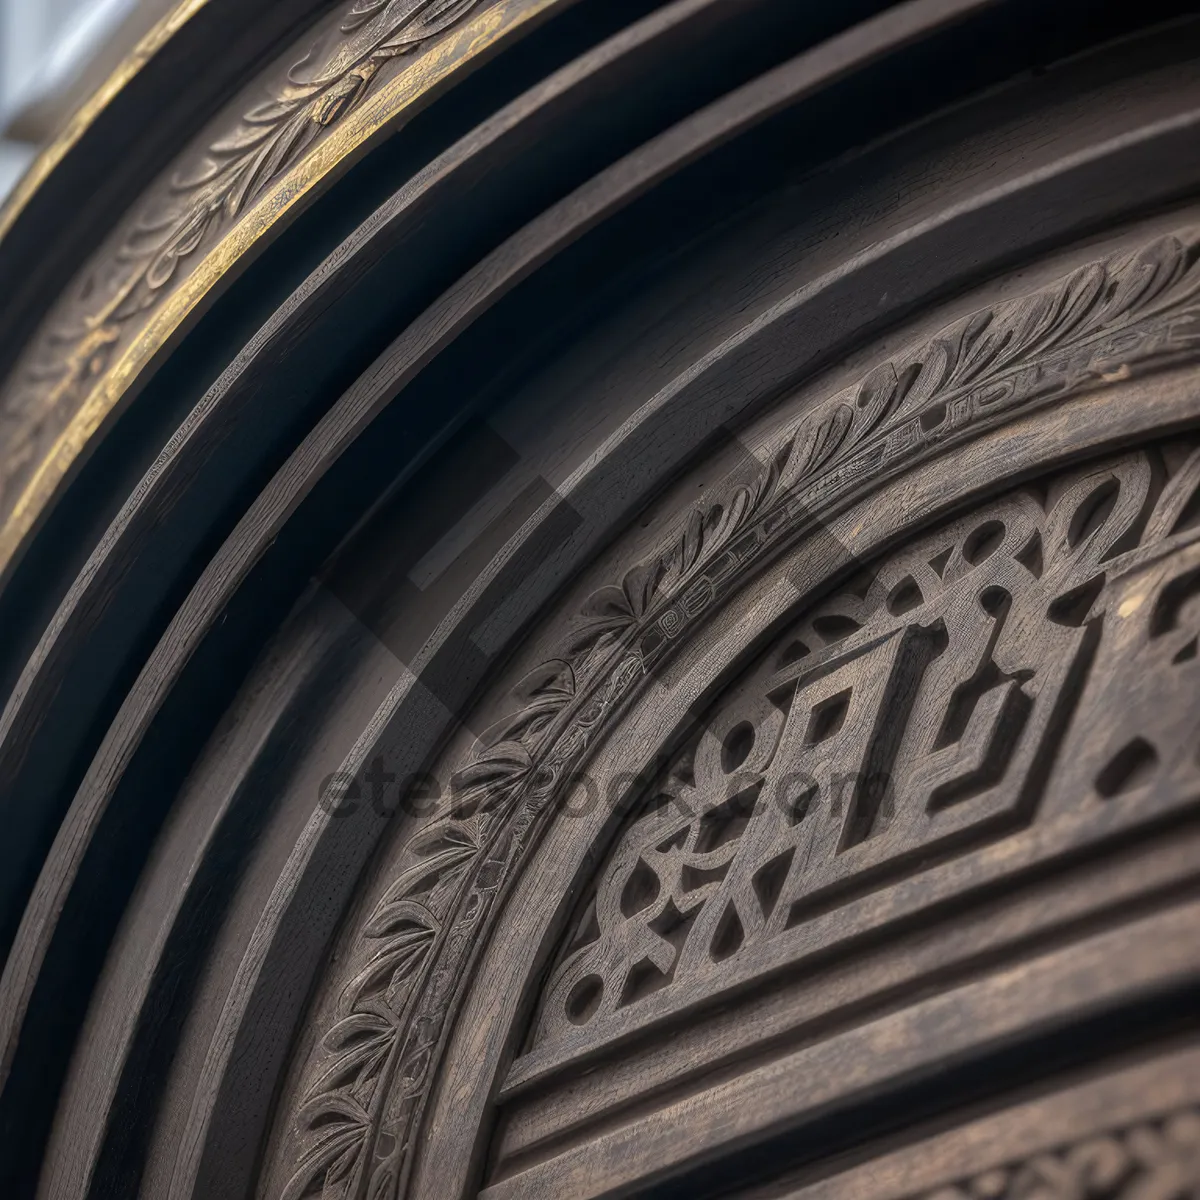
[910,717]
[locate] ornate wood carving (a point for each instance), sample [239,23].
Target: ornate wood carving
[837,832]
[207,191]
[1010,661]
[911,717]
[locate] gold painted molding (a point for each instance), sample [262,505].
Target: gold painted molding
[85,116]
[220,203]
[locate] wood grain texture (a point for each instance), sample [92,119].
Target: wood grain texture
[649,645]
[603,1091]
[1055,988]
[1126,1129]
[845,990]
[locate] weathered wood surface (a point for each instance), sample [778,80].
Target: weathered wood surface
[649,646]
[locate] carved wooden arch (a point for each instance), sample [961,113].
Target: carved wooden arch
[367,533]
[594,727]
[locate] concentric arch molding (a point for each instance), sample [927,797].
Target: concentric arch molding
[222,200]
[368,1084]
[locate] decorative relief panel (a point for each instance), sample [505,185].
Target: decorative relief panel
[914,715]
[901,725]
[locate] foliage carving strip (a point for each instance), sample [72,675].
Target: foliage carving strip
[77,343]
[1105,322]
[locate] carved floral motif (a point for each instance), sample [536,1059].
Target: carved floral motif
[369,1080]
[205,194]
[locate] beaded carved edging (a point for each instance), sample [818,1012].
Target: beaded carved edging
[75,348]
[368,1085]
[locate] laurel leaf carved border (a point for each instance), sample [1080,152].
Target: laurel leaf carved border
[1108,321]
[206,192]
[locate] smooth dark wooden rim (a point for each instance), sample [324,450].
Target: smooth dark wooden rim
[60,483]
[242,427]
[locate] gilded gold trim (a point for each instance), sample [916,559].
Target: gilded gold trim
[348,115]
[84,116]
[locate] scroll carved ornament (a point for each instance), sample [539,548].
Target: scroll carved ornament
[368,1082]
[205,194]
